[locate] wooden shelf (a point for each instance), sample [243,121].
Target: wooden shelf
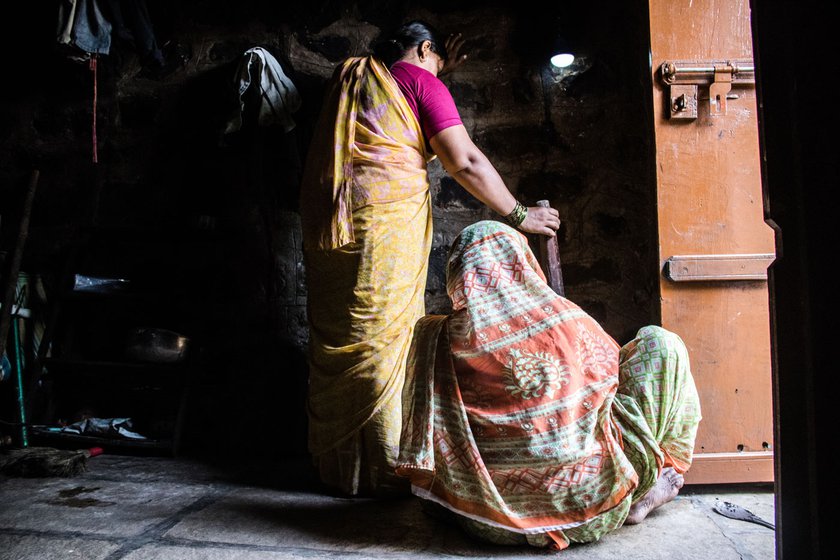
[133,367]
[119,295]
[44,435]
[93,323]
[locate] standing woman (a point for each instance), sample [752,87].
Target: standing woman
[367,232]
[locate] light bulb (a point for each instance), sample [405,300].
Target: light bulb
[562,60]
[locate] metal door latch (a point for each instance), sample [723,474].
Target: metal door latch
[684,79]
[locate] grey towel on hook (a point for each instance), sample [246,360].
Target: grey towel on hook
[279,97]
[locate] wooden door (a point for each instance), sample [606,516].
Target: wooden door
[714,245]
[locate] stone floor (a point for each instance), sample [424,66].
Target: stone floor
[155,508]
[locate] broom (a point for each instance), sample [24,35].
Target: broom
[32,462]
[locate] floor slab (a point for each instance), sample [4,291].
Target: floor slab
[142,508]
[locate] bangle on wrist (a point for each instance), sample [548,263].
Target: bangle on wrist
[517,215]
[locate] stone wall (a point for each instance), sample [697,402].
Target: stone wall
[216,215]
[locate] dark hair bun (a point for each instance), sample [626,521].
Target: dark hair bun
[394,46]
[388,51]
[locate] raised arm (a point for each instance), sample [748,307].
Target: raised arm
[468,165]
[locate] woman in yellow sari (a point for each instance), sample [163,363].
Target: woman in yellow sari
[367,230]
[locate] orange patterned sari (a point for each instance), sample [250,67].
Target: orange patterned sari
[367,234]
[526,419]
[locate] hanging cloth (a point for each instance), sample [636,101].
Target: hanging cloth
[279,97]
[82,24]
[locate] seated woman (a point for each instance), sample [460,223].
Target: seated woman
[525,420]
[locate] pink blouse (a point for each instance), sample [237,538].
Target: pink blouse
[427,96]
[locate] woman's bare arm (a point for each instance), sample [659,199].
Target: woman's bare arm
[468,165]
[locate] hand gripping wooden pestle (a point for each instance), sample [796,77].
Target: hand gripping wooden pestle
[550,258]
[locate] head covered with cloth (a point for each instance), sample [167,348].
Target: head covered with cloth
[524,418]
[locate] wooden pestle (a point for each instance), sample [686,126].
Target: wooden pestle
[550,258]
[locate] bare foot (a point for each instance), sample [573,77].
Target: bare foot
[666,489]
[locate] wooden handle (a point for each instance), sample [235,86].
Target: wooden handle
[10,281]
[550,258]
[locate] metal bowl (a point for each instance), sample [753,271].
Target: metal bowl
[156,345]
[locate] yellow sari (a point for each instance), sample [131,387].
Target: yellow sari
[367,229]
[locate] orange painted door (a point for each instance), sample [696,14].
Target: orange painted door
[714,245]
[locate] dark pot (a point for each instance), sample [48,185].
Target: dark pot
[156,345]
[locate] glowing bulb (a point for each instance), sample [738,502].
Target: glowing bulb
[562,60]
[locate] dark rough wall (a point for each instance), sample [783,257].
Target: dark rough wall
[207,223]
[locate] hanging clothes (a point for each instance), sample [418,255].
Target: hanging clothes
[82,24]
[133,24]
[279,97]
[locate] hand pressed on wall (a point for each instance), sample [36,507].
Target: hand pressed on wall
[454,44]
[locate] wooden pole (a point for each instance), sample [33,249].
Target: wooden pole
[8,301]
[17,256]
[550,259]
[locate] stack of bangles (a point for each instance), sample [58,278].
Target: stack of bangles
[517,215]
